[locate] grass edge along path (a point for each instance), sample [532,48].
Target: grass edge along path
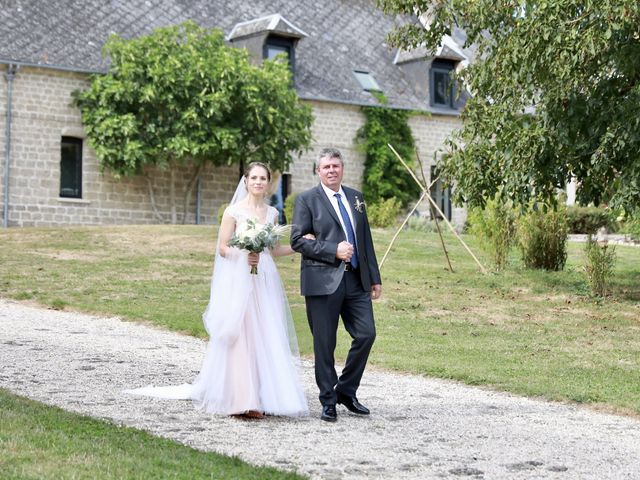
[43,442]
[528,332]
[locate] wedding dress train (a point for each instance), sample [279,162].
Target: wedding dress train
[252,361]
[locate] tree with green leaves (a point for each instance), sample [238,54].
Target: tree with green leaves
[179,96]
[555,90]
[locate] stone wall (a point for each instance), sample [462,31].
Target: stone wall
[42,114]
[335,125]
[3,119]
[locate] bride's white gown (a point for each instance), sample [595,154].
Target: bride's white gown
[251,362]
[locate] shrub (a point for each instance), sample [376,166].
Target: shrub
[631,226]
[495,228]
[421,224]
[221,212]
[289,203]
[542,234]
[384,213]
[588,220]
[600,260]
[633,229]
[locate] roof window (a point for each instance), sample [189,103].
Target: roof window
[367,81]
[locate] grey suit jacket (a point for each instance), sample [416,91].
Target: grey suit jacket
[321,272]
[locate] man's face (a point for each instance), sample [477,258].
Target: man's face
[330,172]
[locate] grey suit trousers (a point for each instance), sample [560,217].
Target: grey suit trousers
[351,302]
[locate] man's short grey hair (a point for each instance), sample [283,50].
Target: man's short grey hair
[329,152]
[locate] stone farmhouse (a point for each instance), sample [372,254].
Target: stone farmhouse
[338,52]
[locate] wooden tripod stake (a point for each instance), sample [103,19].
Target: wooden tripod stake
[425,193]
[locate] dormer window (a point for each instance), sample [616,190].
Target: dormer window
[367,82]
[274,46]
[266,37]
[432,73]
[441,83]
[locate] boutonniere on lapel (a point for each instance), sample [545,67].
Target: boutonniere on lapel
[359,205]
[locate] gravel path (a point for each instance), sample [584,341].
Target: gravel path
[419,427]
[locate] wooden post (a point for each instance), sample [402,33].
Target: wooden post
[434,217]
[400,229]
[444,248]
[438,209]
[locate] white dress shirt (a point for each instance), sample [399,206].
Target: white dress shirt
[334,203]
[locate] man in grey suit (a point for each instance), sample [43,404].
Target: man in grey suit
[339,276]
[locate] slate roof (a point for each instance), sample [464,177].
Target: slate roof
[342,36]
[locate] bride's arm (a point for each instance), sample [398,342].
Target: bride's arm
[227,226]
[282,250]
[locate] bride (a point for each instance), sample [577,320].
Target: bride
[251,364]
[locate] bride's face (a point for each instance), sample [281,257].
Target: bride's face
[257,181]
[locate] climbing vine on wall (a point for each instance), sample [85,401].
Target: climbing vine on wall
[384,176]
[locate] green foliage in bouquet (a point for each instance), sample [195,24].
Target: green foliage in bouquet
[255,237]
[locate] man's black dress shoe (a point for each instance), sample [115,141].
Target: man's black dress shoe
[329,413]
[352,404]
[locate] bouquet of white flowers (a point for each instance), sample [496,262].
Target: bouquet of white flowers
[255,237]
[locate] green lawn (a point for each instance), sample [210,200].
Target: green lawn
[38,442]
[527,332]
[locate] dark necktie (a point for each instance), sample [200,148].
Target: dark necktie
[351,237]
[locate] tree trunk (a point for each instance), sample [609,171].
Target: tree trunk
[187,194]
[152,197]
